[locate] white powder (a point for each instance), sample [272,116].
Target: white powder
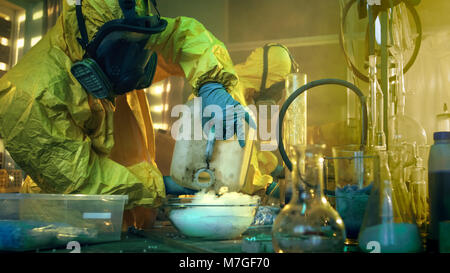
[222,222]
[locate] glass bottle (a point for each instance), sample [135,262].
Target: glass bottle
[419,195]
[439,190]
[384,228]
[308,223]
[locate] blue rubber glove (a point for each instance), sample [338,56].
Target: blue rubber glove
[233,113]
[173,188]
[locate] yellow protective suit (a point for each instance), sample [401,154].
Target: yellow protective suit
[70,142]
[262,163]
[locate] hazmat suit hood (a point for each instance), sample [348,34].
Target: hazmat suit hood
[250,75]
[250,72]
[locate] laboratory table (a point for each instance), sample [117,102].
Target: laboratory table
[164,238]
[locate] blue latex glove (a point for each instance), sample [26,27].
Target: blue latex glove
[233,113]
[173,188]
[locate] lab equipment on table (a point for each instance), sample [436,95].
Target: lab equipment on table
[42,221]
[385,228]
[372,12]
[377,137]
[354,180]
[418,189]
[258,237]
[211,217]
[295,122]
[309,223]
[296,116]
[402,128]
[439,190]
[228,161]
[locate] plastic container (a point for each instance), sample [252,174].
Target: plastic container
[439,186]
[229,162]
[42,221]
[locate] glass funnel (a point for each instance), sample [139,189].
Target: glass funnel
[308,223]
[389,225]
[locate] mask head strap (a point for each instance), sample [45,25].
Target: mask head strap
[294,65]
[128,8]
[129,12]
[274,88]
[84,41]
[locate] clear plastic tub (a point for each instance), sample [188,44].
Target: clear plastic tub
[40,221]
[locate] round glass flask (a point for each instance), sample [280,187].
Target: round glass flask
[308,223]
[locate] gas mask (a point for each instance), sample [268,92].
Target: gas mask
[117,60]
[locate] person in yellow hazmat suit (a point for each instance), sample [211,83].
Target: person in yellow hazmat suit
[70,114]
[261,83]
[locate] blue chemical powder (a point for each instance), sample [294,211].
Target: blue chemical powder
[24,235]
[265,215]
[351,205]
[19,235]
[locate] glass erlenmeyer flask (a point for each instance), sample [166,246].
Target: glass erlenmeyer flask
[384,228]
[308,223]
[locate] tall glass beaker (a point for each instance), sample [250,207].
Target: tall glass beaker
[294,123]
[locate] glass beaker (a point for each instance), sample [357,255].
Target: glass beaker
[308,223]
[295,123]
[385,228]
[354,180]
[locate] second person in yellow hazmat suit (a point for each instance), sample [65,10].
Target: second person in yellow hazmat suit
[101,142]
[261,83]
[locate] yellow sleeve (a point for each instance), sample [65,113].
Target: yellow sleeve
[202,57]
